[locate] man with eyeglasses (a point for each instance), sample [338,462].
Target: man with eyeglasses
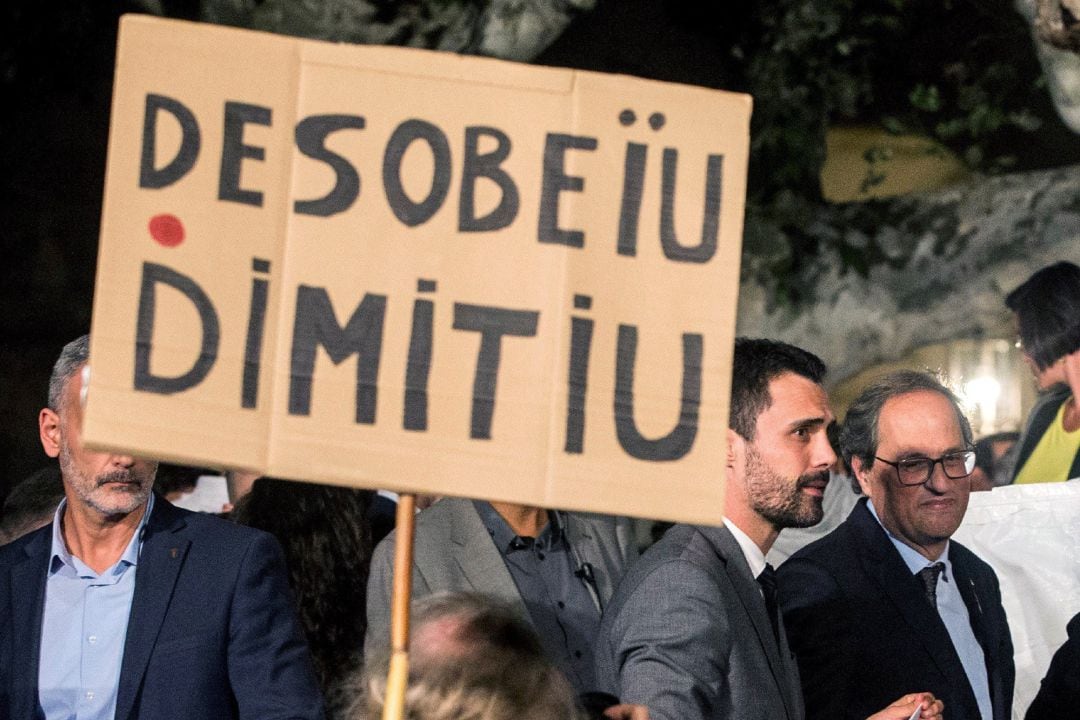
[886,603]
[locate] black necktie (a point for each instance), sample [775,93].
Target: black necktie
[767,581]
[929,576]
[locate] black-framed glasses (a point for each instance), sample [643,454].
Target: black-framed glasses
[917,470]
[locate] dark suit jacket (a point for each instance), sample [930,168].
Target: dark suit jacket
[687,635]
[864,634]
[212,632]
[1059,695]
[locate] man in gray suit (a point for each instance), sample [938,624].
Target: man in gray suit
[558,569]
[693,631]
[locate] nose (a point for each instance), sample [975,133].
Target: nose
[823,456]
[124,461]
[938,482]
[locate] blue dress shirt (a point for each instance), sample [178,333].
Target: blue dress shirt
[954,613]
[83,629]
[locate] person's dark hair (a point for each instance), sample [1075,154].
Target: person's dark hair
[755,364]
[832,432]
[1047,307]
[31,503]
[859,433]
[72,358]
[324,532]
[984,450]
[172,478]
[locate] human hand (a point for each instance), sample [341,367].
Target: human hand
[903,708]
[626,711]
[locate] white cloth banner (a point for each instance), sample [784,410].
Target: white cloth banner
[1030,534]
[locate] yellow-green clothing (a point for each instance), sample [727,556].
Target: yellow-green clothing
[1052,458]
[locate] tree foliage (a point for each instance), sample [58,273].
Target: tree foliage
[962,72]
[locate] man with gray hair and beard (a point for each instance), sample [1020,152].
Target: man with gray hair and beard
[127,607]
[693,631]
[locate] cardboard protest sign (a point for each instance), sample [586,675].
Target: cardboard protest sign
[418,271]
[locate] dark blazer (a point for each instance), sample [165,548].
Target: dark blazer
[1059,694]
[687,635]
[864,634]
[212,632]
[1042,415]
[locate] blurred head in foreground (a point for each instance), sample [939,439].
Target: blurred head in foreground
[471,658]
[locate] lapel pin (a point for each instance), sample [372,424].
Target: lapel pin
[173,552]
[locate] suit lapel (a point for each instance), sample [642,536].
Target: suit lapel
[746,588]
[883,564]
[585,548]
[477,558]
[966,585]
[27,606]
[159,566]
[986,633]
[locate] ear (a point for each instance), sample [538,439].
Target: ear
[736,449]
[1072,367]
[862,474]
[49,429]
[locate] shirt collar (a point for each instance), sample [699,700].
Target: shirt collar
[60,556]
[914,560]
[506,540]
[754,557]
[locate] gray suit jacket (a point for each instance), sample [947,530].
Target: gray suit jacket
[687,635]
[452,551]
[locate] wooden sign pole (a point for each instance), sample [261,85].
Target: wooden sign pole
[397,680]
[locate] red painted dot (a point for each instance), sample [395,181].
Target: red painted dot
[167,230]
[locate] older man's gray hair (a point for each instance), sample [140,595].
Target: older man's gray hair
[72,358]
[859,434]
